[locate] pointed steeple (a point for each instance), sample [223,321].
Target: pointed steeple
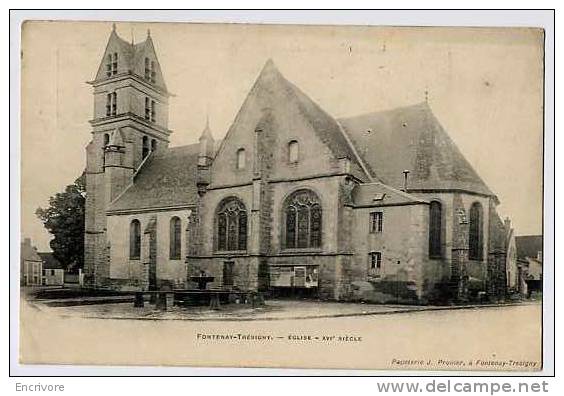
[207,143]
[269,71]
[206,133]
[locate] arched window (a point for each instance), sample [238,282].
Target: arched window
[293,152]
[147,69]
[153,73]
[303,220]
[175,238]
[435,230]
[231,219]
[106,139]
[115,63]
[135,240]
[147,108]
[109,66]
[145,152]
[153,145]
[108,105]
[241,158]
[476,233]
[114,103]
[153,111]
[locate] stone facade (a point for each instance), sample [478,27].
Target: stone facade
[316,206]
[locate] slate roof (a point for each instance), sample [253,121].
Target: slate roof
[378,194]
[131,55]
[381,144]
[49,261]
[327,128]
[271,87]
[411,138]
[528,245]
[167,178]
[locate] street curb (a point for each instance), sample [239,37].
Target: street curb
[357,314]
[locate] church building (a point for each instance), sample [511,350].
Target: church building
[379,207]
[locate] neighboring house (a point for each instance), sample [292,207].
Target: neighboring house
[31,265]
[292,199]
[53,271]
[529,253]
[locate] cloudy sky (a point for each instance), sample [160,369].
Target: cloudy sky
[485,87]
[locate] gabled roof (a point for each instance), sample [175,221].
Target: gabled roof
[379,145]
[49,261]
[411,138]
[528,245]
[131,57]
[378,194]
[166,179]
[271,86]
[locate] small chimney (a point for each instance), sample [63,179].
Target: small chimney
[405,177]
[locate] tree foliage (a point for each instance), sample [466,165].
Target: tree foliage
[64,219]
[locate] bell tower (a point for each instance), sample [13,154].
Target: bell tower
[130,108]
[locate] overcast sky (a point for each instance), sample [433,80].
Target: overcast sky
[485,87]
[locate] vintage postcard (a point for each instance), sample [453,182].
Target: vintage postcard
[282,196]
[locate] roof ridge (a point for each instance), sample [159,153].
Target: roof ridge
[390,110]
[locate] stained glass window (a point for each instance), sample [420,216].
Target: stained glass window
[242,240]
[231,225]
[303,220]
[291,227]
[315,237]
[222,231]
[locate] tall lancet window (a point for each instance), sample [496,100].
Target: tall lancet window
[303,220]
[146,149]
[231,225]
[475,242]
[108,105]
[135,240]
[111,104]
[147,108]
[147,69]
[435,230]
[109,65]
[114,103]
[115,64]
[175,238]
[153,72]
